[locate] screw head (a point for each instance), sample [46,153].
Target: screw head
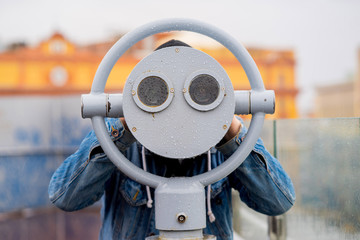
[134,129]
[181,217]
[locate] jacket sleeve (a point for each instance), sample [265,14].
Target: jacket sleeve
[80,180]
[262,183]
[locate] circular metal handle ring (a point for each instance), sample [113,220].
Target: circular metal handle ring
[166,25]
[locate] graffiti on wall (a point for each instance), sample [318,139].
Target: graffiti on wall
[35,140]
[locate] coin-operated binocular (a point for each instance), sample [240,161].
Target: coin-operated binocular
[178,102]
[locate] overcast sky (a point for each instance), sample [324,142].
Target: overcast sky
[325,34]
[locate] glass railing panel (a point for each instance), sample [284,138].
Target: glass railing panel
[322,156]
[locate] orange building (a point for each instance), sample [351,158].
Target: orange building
[277,69]
[58,66]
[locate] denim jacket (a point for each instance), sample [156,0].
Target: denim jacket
[88,175]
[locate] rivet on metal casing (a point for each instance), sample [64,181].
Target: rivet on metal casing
[181,217]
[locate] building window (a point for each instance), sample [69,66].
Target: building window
[281,80]
[57,46]
[58,76]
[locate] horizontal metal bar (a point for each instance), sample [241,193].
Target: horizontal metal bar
[104,105]
[110,105]
[250,102]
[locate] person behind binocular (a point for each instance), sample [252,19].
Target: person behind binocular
[127,213]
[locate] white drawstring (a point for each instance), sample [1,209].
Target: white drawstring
[210,213]
[150,201]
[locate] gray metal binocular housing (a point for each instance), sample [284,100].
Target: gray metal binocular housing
[178,102]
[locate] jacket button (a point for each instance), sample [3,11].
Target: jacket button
[218,201]
[115,133]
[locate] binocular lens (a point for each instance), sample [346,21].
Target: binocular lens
[153,91]
[204,89]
